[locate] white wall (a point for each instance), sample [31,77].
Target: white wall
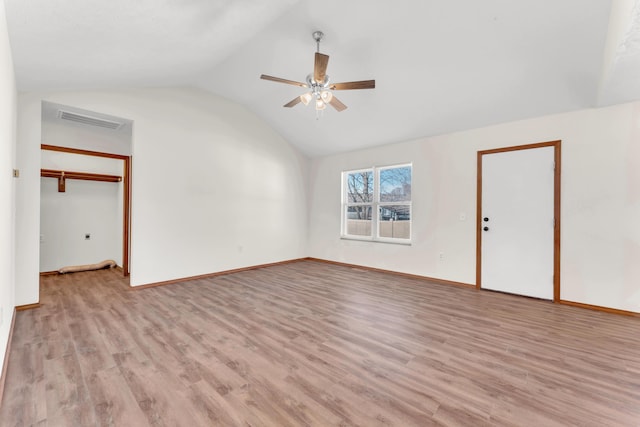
[214,188]
[85,207]
[600,253]
[66,133]
[27,203]
[7,188]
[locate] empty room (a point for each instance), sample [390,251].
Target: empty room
[297,213]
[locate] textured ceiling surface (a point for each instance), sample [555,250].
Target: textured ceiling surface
[439,66]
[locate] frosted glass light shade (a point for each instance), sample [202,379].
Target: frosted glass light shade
[326,96]
[305,98]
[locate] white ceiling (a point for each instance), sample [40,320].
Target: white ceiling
[440,66]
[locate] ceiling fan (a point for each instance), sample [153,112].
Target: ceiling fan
[319,83]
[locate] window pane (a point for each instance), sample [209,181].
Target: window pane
[395,184]
[359,220]
[395,221]
[360,187]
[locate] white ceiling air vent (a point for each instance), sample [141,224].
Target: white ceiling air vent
[88,120]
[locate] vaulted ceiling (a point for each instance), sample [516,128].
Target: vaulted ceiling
[440,66]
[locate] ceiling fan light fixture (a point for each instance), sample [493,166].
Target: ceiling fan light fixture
[326,96]
[305,98]
[320,105]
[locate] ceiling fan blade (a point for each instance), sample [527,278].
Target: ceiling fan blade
[320,67]
[363,84]
[337,104]
[293,102]
[279,80]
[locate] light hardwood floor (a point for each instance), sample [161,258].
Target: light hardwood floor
[309,343]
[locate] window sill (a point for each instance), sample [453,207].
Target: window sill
[392,242]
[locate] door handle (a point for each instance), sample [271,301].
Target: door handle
[486,219]
[486,229]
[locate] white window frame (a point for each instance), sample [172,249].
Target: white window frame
[376,205]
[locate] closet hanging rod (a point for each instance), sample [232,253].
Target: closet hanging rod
[51,173]
[62,176]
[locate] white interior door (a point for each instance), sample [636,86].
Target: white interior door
[517,225]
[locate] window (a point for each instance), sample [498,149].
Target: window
[377,203]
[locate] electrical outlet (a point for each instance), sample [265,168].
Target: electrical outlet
[16,173]
[42,238]
[441,256]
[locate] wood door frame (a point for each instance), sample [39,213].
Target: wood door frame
[126,180]
[556,209]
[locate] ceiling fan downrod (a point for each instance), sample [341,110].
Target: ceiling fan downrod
[318,36]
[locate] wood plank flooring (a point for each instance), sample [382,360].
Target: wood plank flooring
[313,344]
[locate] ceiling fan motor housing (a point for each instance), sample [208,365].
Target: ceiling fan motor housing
[313,84]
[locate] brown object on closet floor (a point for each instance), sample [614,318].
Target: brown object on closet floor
[109,263]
